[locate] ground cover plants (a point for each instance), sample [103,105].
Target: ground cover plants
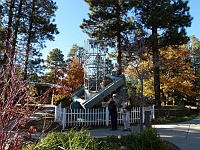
[173,119]
[81,139]
[69,140]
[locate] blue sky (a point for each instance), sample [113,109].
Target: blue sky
[70,15]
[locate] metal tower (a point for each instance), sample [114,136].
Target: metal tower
[94,66]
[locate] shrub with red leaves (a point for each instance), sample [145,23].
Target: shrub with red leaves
[18,102]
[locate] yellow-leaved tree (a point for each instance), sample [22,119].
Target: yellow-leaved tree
[176,74]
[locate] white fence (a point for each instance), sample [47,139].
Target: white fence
[96,117]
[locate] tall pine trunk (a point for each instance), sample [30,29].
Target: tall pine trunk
[119,56]
[9,32]
[119,52]
[29,41]
[8,50]
[16,28]
[156,66]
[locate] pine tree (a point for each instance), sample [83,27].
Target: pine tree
[109,20]
[27,25]
[55,65]
[39,27]
[77,51]
[167,20]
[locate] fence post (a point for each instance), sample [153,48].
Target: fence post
[64,118]
[147,119]
[107,116]
[55,115]
[153,111]
[59,112]
[143,116]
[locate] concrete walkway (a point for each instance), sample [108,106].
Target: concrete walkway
[104,132]
[185,135]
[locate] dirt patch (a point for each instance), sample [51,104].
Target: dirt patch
[171,146]
[46,125]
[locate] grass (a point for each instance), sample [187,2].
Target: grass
[173,119]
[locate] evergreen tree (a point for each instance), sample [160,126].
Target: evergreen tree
[2,39]
[109,20]
[36,65]
[75,51]
[167,20]
[109,66]
[55,66]
[40,27]
[7,11]
[27,24]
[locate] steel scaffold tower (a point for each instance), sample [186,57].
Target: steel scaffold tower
[94,65]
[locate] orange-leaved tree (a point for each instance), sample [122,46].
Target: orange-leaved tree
[74,78]
[71,82]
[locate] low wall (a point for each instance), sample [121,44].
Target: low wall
[175,112]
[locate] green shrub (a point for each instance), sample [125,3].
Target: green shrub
[186,118]
[69,140]
[65,100]
[108,143]
[146,140]
[172,119]
[82,140]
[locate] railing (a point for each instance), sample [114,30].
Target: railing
[96,117]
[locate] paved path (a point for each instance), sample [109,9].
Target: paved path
[185,135]
[47,109]
[104,132]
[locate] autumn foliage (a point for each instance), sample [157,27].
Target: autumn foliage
[18,102]
[176,74]
[72,81]
[75,75]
